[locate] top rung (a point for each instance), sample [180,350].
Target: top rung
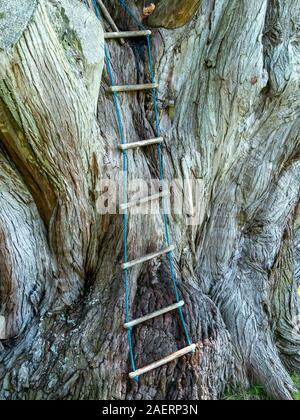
[126,34]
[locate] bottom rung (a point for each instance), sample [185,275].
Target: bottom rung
[168,359]
[154,314]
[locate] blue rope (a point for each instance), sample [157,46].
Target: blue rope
[96,9]
[122,137]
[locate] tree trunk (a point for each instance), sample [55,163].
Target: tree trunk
[228,96]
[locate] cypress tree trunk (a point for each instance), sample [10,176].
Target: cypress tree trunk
[228,97]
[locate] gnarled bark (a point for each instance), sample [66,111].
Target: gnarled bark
[232,72]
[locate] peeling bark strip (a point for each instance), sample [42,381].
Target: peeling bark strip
[51,149]
[231,73]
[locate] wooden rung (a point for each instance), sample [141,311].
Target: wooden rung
[132,88]
[126,34]
[154,315]
[109,19]
[2,328]
[145,200]
[168,359]
[148,257]
[142,143]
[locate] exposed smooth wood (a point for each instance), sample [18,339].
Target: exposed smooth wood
[168,359]
[109,18]
[2,328]
[133,88]
[148,257]
[142,143]
[145,200]
[126,34]
[154,314]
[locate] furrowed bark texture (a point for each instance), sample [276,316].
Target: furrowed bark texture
[231,69]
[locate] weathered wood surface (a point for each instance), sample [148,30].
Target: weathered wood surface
[233,74]
[2,328]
